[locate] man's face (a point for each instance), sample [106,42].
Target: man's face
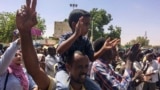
[52,51]
[79,68]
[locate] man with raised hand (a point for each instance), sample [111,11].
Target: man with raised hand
[25,20]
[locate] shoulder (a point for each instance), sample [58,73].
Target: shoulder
[52,84]
[97,64]
[91,85]
[66,35]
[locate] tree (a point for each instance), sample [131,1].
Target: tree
[99,19]
[141,40]
[41,24]
[8,24]
[114,32]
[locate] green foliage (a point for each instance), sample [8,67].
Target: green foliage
[99,19]
[41,24]
[8,24]
[141,40]
[114,32]
[65,20]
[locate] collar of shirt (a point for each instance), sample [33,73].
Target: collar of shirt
[83,88]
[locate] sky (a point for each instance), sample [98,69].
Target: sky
[135,17]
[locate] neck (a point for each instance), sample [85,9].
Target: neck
[76,86]
[106,60]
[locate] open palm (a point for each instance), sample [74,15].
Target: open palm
[109,44]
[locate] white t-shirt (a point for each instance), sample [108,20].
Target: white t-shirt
[153,67]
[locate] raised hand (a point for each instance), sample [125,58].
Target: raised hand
[26,16]
[109,44]
[79,26]
[133,52]
[15,34]
[19,41]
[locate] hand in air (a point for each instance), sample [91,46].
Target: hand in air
[26,16]
[133,52]
[109,44]
[79,26]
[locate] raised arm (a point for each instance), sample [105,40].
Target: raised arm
[25,20]
[107,45]
[8,55]
[66,44]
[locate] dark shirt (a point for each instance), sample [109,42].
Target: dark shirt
[82,44]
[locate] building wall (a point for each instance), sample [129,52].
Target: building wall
[60,28]
[45,42]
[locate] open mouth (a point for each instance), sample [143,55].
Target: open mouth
[19,60]
[83,76]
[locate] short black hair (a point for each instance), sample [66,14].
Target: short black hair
[51,50]
[70,56]
[76,14]
[98,43]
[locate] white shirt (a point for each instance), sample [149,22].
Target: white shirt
[50,62]
[153,68]
[137,65]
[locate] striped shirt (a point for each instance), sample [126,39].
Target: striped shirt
[107,78]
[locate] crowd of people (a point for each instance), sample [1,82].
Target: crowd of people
[76,63]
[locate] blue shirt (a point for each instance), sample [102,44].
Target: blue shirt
[82,44]
[13,83]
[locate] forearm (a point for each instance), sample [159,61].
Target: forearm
[149,74]
[31,61]
[65,45]
[134,78]
[98,54]
[153,72]
[29,54]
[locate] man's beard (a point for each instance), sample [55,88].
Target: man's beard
[79,80]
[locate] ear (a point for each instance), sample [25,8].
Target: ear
[68,67]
